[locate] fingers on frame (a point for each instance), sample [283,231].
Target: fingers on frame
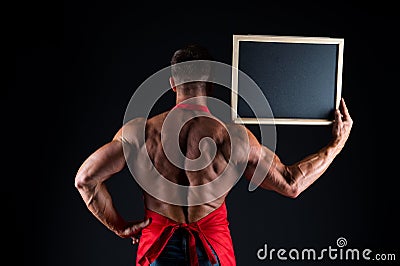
[338,116]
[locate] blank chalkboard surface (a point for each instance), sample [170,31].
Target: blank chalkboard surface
[300,79]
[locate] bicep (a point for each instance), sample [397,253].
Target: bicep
[262,166]
[112,157]
[278,177]
[266,170]
[104,162]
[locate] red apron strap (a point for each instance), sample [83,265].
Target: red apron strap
[194,228]
[207,248]
[191,106]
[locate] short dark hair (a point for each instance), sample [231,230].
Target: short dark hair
[191,52]
[191,72]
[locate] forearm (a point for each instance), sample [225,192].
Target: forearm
[99,202]
[90,182]
[266,169]
[305,172]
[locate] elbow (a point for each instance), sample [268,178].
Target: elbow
[293,191]
[82,180]
[292,187]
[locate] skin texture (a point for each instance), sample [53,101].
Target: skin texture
[287,180]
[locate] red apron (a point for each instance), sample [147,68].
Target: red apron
[212,229]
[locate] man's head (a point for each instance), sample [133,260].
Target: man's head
[189,71]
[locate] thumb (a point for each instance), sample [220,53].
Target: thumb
[146,222]
[137,227]
[143,224]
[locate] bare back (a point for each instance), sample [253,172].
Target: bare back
[190,136]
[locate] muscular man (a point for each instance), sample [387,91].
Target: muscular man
[186,234]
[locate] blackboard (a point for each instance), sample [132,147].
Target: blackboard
[300,78]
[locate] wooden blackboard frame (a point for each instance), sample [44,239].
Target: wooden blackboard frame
[283,39]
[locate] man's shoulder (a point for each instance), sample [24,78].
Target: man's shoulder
[236,129]
[135,123]
[133,130]
[156,119]
[145,121]
[137,127]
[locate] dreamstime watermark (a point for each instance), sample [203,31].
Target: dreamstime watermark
[337,252]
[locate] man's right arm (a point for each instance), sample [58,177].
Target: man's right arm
[100,166]
[291,180]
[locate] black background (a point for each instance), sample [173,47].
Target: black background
[74,66]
